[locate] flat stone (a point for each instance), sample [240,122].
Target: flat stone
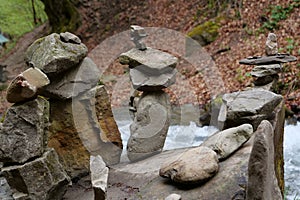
[147,82]
[54,56]
[266,70]
[69,38]
[250,106]
[173,197]
[25,86]
[153,61]
[228,141]
[99,177]
[150,126]
[262,183]
[75,81]
[23,131]
[196,165]
[268,60]
[42,178]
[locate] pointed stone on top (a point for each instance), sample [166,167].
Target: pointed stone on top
[271,45]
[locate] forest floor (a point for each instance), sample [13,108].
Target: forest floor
[241,35]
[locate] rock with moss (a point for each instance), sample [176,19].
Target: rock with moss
[23,131]
[42,178]
[53,54]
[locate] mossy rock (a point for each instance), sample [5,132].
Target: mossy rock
[207,32]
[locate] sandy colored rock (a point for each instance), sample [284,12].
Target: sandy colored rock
[196,165]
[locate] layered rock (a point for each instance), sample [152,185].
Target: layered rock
[262,182]
[196,165]
[43,178]
[150,126]
[23,132]
[226,142]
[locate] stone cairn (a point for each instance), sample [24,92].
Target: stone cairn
[151,70]
[47,141]
[267,67]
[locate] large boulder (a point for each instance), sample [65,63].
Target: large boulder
[73,82]
[250,106]
[226,142]
[262,182]
[42,178]
[150,126]
[23,132]
[53,54]
[194,166]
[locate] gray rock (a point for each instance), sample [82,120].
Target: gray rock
[25,86]
[155,61]
[262,183]
[250,106]
[53,56]
[73,82]
[271,45]
[150,126]
[42,178]
[69,38]
[228,141]
[266,70]
[196,165]
[22,135]
[146,82]
[5,191]
[99,177]
[173,197]
[268,60]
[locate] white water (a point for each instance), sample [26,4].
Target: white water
[187,136]
[292,161]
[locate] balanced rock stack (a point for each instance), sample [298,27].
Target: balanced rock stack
[151,70]
[267,67]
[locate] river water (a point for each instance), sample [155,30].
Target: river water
[180,136]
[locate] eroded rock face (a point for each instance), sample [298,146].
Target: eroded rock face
[262,183]
[150,126]
[22,134]
[250,106]
[196,165]
[42,178]
[226,142]
[53,54]
[99,177]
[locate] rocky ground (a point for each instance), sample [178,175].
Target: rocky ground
[240,36]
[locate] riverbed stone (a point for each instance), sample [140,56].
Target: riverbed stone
[262,182]
[42,178]
[53,55]
[73,82]
[23,131]
[99,177]
[196,165]
[250,106]
[150,126]
[226,142]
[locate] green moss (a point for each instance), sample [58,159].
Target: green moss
[207,32]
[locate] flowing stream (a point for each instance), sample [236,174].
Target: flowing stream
[180,136]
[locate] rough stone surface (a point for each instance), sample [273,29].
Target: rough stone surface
[64,138]
[42,178]
[155,61]
[96,126]
[146,82]
[25,86]
[22,134]
[5,191]
[53,56]
[173,197]
[228,141]
[196,165]
[99,177]
[271,45]
[262,183]
[73,82]
[266,70]
[250,106]
[150,126]
[69,38]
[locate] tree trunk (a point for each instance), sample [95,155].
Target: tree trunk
[62,14]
